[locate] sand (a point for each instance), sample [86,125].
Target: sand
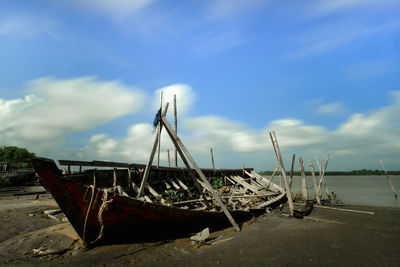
[326,237]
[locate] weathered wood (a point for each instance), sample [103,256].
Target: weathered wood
[348,210]
[279,157]
[243,183]
[169,159]
[315,182]
[178,143]
[111,164]
[264,180]
[271,201]
[181,184]
[150,162]
[114,177]
[212,158]
[176,130]
[292,170]
[273,175]
[390,182]
[129,179]
[303,179]
[136,189]
[159,133]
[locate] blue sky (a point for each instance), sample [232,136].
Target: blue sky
[81,79]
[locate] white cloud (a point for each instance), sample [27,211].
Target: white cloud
[185,98]
[58,107]
[358,142]
[336,108]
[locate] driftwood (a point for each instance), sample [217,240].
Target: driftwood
[390,182]
[291,170]
[279,157]
[315,182]
[303,179]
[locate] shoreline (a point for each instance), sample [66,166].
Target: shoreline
[327,236]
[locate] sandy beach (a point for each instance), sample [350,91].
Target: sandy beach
[326,237]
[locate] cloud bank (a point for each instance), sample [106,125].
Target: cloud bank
[55,108]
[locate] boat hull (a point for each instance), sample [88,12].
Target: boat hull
[102,215]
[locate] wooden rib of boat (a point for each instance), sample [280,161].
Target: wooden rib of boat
[102,204]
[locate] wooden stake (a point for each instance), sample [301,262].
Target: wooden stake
[115,177]
[390,182]
[279,157]
[176,129]
[291,171]
[179,145]
[212,158]
[303,179]
[315,182]
[150,162]
[169,159]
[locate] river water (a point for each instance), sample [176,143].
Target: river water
[371,190]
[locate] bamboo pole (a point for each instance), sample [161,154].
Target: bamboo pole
[153,151]
[181,147]
[315,182]
[212,158]
[279,157]
[292,170]
[303,179]
[390,182]
[176,129]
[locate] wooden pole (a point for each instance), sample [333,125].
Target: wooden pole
[279,157]
[159,129]
[212,158]
[150,162]
[176,129]
[315,182]
[390,182]
[169,159]
[303,179]
[179,145]
[292,170]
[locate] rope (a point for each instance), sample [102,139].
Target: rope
[87,213]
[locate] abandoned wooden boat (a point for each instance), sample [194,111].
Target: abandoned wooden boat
[103,204]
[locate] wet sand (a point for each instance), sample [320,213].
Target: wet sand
[326,237]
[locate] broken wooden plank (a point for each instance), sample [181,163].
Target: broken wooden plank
[181,184]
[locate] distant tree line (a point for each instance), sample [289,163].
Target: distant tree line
[12,157]
[353,172]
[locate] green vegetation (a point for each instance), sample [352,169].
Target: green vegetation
[353,172]
[217,183]
[15,157]
[4,180]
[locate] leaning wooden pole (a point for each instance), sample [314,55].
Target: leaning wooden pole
[169,159]
[212,158]
[176,130]
[390,182]
[292,170]
[315,182]
[178,143]
[279,157]
[303,179]
[159,129]
[153,151]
